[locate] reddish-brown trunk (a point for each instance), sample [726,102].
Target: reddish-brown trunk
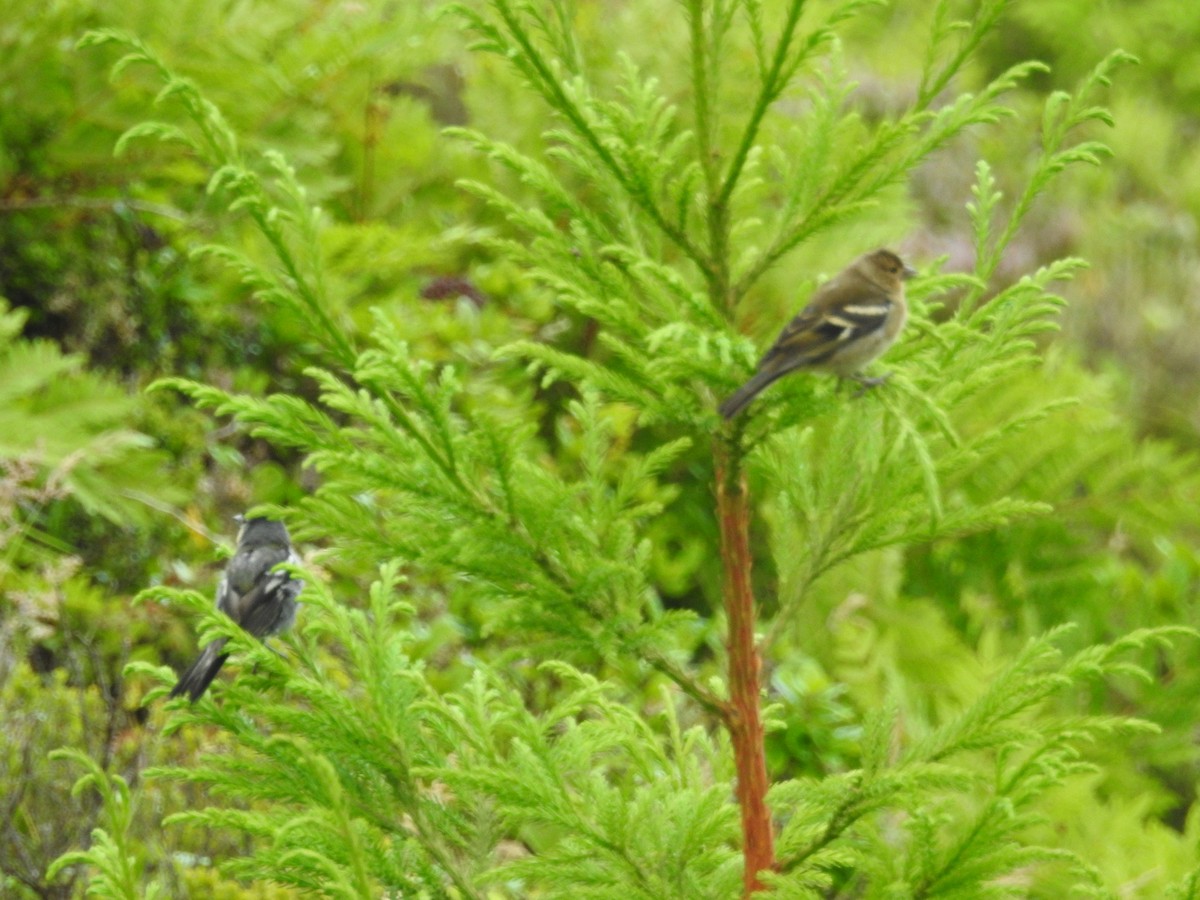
[744,720]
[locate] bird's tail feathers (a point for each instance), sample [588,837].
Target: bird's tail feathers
[199,675]
[740,399]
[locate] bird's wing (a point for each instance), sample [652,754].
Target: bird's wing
[821,329]
[268,602]
[227,598]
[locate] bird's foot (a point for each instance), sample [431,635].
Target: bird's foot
[868,383]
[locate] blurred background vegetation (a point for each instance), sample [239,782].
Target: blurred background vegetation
[106,489]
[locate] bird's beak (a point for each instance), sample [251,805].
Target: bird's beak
[908,273]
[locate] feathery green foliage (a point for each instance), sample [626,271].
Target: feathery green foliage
[663,223]
[950,848]
[68,426]
[118,872]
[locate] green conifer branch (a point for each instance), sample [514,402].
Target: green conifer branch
[543,79]
[775,79]
[969,38]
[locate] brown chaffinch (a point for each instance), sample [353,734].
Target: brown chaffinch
[849,321]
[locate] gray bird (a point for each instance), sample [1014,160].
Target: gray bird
[851,319]
[262,601]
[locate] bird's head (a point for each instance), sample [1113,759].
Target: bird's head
[262,533]
[885,268]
